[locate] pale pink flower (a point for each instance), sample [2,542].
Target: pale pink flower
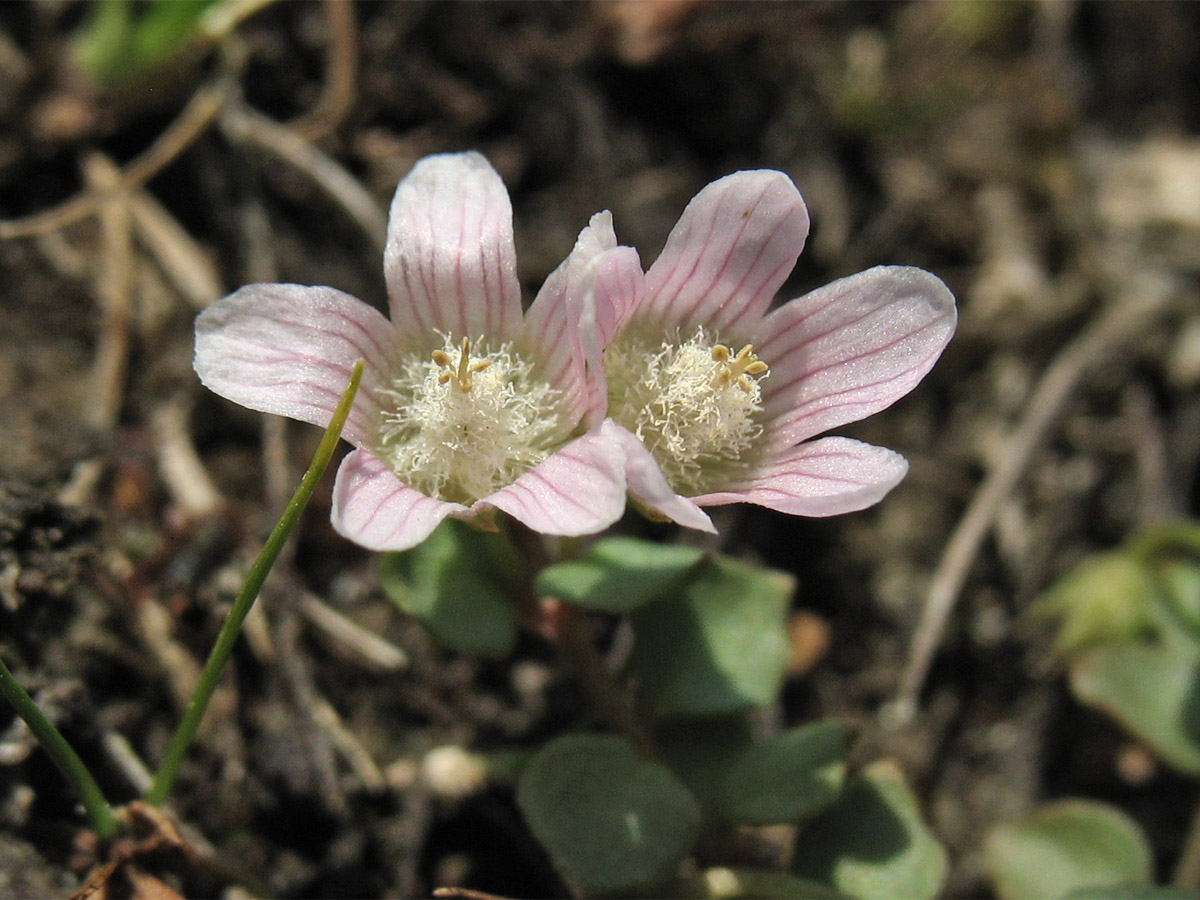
[467,406]
[717,401]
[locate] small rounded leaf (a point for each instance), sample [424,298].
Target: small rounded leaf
[1180,582]
[1135,892]
[611,821]
[1066,847]
[450,583]
[1107,598]
[1152,690]
[701,752]
[872,844]
[619,574]
[789,777]
[719,645]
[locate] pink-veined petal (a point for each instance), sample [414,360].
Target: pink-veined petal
[580,489]
[649,486]
[288,349]
[827,477]
[375,509]
[553,325]
[450,263]
[735,245]
[615,288]
[850,349]
[619,287]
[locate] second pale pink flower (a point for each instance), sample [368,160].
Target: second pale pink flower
[715,400]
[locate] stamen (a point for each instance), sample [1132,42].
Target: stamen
[459,426]
[740,368]
[461,372]
[677,396]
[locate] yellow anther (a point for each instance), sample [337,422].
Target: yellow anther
[736,369]
[459,372]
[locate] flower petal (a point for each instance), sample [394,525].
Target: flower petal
[580,489]
[828,477]
[288,349]
[850,349]
[376,510]
[450,263]
[561,319]
[647,484]
[616,286]
[734,246]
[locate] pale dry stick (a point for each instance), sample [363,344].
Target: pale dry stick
[1133,310]
[181,259]
[277,467]
[220,19]
[155,627]
[200,112]
[246,125]
[67,260]
[80,487]
[341,59]
[1144,432]
[179,465]
[371,650]
[348,746]
[341,72]
[15,65]
[122,755]
[294,673]
[114,289]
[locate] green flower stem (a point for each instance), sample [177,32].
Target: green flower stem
[613,706]
[207,684]
[104,822]
[565,626]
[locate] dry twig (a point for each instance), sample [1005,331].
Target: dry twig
[245,125]
[181,259]
[200,112]
[1126,315]
[179,464]
[366,646]
[114,289]
[341,71]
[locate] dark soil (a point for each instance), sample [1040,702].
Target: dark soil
[1041,158]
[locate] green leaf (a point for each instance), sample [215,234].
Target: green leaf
[1107,598]
[104,37]
[701,752]
[451,583]
[872,843]
[1068,846]
[1134,892]
[788,777]
[121,42]
[619,574]
[611,821]
[1179,582]
[720,883]
[717,646]
[1151,689]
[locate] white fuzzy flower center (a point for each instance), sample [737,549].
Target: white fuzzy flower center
[466,420]
[695,404]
